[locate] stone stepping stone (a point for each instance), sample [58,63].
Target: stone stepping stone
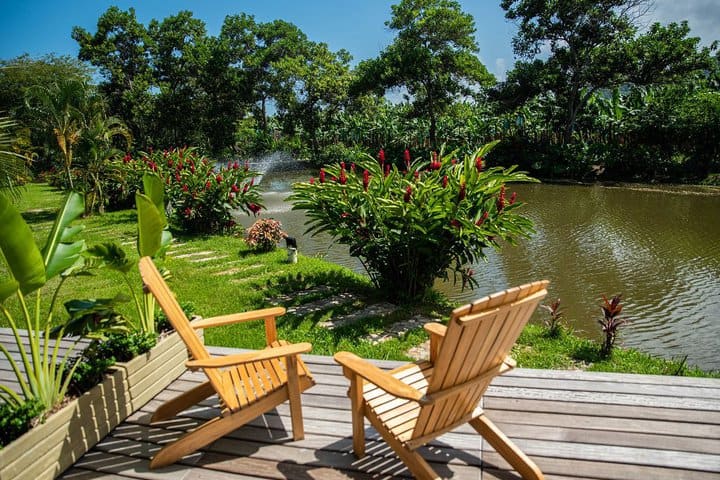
[398,329]
[240,269]
[195,254]
[420,352]
[206,259]
[323,304]
[288,298]
[374,310]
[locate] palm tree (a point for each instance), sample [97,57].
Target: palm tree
[12,164]
[64,107]
[95,151]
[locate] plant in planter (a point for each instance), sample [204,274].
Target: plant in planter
[413,224]
[29,269]
[264,234]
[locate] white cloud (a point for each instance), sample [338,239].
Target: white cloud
[703,16]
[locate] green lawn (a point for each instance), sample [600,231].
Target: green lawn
[220,274]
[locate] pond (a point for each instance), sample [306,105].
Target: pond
[659,247]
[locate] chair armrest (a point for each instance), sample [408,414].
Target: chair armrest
[437,333]
[374,375]
[240,358]
[263,314]
[434,328]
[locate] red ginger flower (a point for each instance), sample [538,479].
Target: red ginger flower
[247,166]
[207,185]
[408,193]
[381,156]
[455,223]
[187,211]
[501,199]
[234,188]
[185,188]
[254,208]
[312,181]
[406,157]
[479,163]
[513,197]
[343,177]
[461,194]
[127,158]
[482,219]
[366,180]
[177,177]
[219,179]
[322,175]
[445,181]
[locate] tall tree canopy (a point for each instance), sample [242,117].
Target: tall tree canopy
[433,56]
[592,45]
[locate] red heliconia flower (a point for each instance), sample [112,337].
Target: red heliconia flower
[513,197]
[366,180]
[408,193]
[234,188]
[185,188]
[461,194]
[187,211]
[322,175]
[482,219]
[445,181]
[501,199]
[219,179]
[455,223]
[312,180]
[387,169]
[247,166]
[381,156]
[479,163]
[343,177]
[254,208]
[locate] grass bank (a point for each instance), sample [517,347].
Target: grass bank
[220,274]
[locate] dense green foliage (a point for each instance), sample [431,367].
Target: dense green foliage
[606,100]
[412,222]
[17,419]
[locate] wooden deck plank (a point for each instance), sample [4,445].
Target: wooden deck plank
[575,425]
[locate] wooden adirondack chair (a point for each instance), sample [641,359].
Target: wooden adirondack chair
[411,405]
[248,384]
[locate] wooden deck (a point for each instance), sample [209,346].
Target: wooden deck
[573,424]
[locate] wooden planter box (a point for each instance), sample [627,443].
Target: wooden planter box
[47,450]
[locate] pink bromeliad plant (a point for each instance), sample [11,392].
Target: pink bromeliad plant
[412,222]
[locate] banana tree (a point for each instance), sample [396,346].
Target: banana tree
[28,269]
[152,241]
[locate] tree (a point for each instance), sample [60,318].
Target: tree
[121,48]
[12,164]
[433,57]
[64,107]
[593,46]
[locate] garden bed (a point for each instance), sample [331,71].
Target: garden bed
[51,447]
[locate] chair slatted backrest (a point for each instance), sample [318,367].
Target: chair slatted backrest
[478,338]
[223,383]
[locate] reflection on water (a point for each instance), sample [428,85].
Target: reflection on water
[659,249]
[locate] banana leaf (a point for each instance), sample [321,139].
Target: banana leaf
[153,238]
[23,258]
[61,250]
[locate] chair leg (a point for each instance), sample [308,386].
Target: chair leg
[417,465]
[358,417]
[506,448]
[293,386]
[187,399]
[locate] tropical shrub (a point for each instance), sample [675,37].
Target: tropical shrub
[202,195]
[16,419]
[412,222]
[264,234]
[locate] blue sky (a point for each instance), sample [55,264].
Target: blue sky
[39,27]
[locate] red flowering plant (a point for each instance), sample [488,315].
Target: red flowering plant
[202,194]
[416,220]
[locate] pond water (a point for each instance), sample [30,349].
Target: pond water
[659,247]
